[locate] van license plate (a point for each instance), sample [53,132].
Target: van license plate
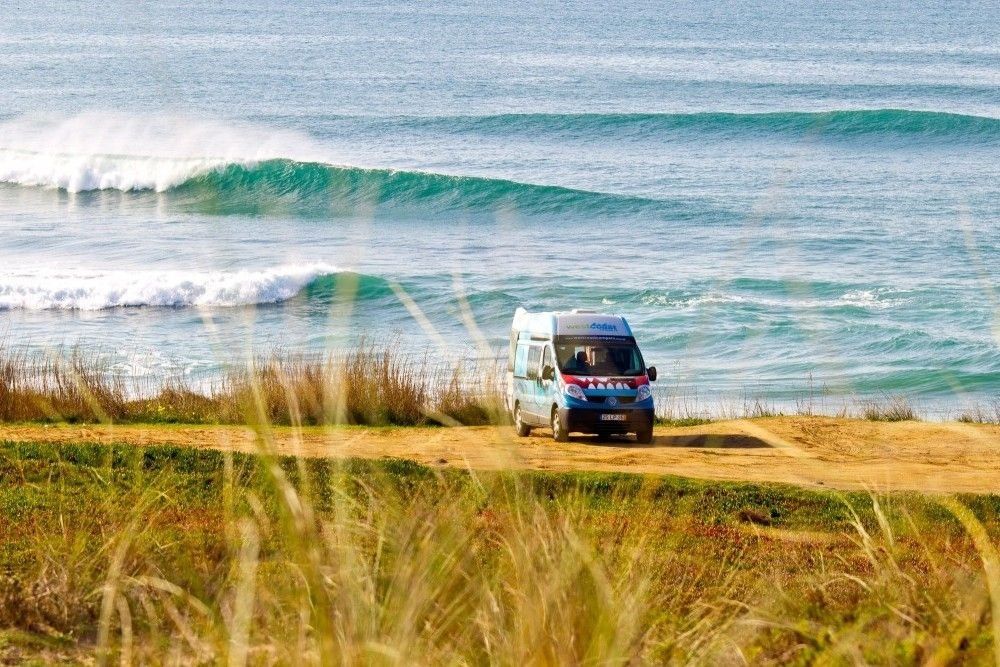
[613,418]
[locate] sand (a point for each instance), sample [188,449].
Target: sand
[813,452]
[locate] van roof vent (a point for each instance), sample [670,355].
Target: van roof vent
[584,311]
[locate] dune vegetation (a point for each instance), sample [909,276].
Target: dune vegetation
[369,384]
[375,384]
[128,554]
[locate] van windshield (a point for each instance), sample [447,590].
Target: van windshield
[599,356]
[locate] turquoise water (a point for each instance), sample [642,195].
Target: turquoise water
[779,198]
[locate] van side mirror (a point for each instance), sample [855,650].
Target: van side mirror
[548,373]
[651,372]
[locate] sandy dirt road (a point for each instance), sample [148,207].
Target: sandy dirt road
[816,452]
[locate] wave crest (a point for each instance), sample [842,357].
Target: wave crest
[325,188]
[175,289]
[276,186]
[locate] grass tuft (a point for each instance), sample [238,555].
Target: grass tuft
[888,409]
[982,414]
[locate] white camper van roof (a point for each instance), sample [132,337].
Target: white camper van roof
[573,323]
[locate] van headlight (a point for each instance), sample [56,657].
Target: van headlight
[643,393]
[574,391]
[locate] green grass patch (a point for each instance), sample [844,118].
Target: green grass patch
[683,421]
[144,553]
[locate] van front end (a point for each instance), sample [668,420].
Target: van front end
[606,405]
[578,372]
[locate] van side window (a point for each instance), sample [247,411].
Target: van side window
[534,355]
[521,361]
[514,333]
[547,357]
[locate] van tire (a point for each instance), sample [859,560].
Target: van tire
[644,435]
[559,432]
[523,430]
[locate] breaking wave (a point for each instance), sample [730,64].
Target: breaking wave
[83,290]
[238,168]
[213,185]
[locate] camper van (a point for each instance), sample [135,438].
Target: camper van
[578,372]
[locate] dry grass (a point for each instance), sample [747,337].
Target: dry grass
[982,414]
[170,555]
[368,385]
[63,386]
[888,409]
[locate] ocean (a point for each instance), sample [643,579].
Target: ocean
[784,199]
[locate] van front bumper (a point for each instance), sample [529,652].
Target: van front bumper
[589,420]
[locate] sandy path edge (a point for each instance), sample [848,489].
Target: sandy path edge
[816,452]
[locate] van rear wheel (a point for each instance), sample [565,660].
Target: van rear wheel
[523,430]
[559,432]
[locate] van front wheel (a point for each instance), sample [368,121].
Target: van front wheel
[523,430]
[559,432]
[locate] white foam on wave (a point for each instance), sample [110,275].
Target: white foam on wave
[880,298]
[101,150]
[92,290]
[674,301]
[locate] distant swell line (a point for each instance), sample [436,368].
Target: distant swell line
[845,124]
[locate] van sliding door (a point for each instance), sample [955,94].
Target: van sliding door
[534,382]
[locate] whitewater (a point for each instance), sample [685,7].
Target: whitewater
[806,201]
[117,151]
[55,290]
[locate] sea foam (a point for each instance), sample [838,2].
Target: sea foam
[100,151]
[80,290]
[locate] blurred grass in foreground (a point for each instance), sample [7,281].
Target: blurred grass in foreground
[161,554]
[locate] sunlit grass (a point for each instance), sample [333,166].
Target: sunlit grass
[369,384]
[888,409]
[980,413]
[374,384]
[166,554]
